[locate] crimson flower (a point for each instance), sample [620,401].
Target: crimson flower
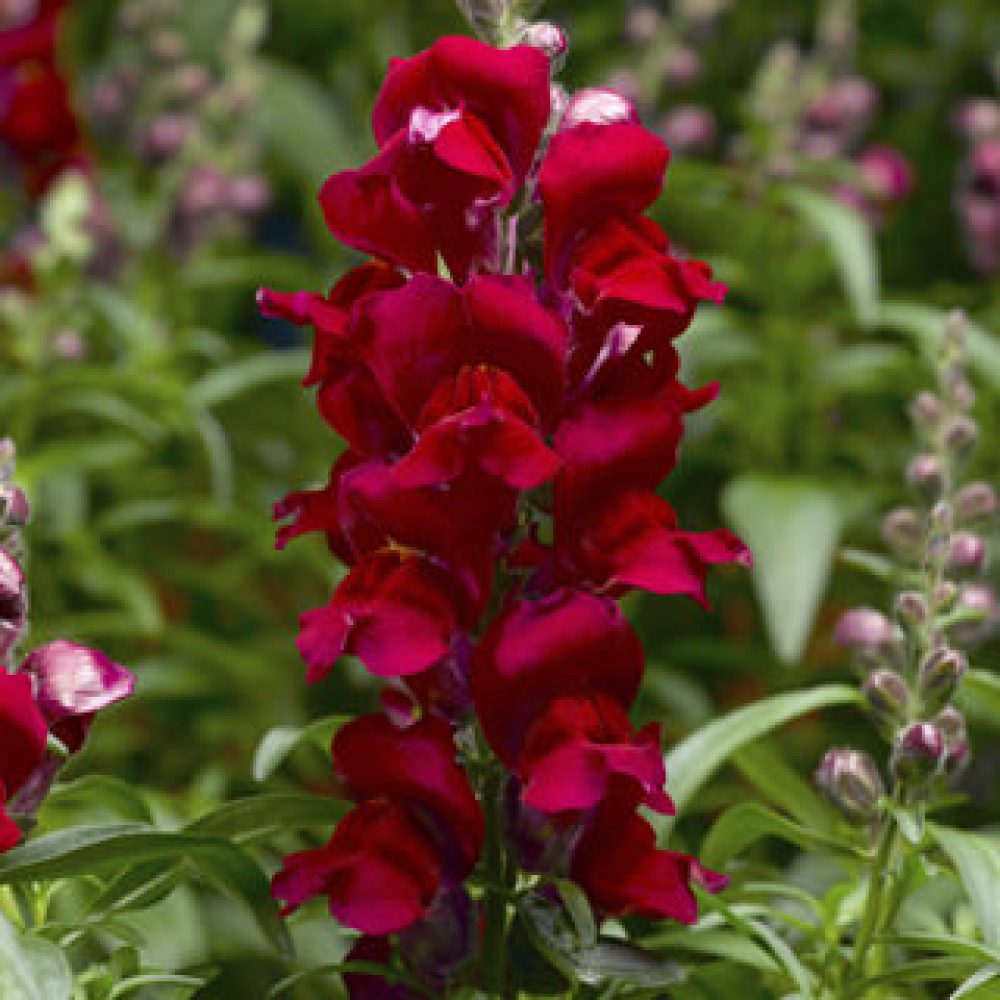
[23,736]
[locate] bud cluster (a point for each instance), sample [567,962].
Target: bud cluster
[48,700]
[913,662]
[977,188]
[185,117]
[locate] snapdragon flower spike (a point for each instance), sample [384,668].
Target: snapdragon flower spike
[483,403]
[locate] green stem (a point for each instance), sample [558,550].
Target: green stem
[866,961]
[495,906]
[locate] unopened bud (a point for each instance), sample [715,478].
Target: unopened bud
[918,752]
[548,38]
[925,473]
[599,106]
[850,780]
[865,629]
[191,81]
[960,433]
[926,410]
[939,677]
[979,600]
[944,595]
[951,724]
[643,23]
[903,530]
[558,101]
[166,135]
[13,603]
[888,696]
[689,128]
[249,194]
[912,607]
[978,118]
[975,502]
[681,67]
[14,510]
[967,551]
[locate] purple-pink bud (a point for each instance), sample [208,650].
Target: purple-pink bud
[887,173]
[72,682]
[926,410]
[166,135]
[598,105]
[865,629]
[978,599]
[548,38]
[978,118]
[689,128]
[951,724]
[960,433]
[918,752]
[903,530]
[939,676]
[851,781]
[887,694]
[925,473]
[681,67]
[967,551]
[912,607]
[14,510]
[643,23]
[249,193]
[13,603]
[976,501]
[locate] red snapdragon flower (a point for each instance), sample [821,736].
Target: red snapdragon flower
[23,735]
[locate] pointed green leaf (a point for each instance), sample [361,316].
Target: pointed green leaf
[976,858]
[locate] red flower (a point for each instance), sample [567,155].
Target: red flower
[380,870]
[394,612]
[457,128]
[569,643]
[23,736]
[418,768]
[574,750]
[366,986]
[594,172]
[617,864]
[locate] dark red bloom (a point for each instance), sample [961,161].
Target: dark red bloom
[380,870]
[23,736]
[569,643]
[618,865]
[594,172]
[417,767]
[577,746]
[394,612]
[457,128]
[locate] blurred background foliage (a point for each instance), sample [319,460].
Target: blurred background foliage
[157,416]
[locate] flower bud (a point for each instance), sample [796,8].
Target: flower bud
[967,551]
[886,172]
[978,118]
[548,38]
[643,23]
[191,82]
[850,780]
[166,135]
[912,607]
[558,101]
[689,128]
[960,433]
[865,629]
[942,517]
[249,194]
[976,501]
[599,106]
[14,510]
[926,410]
[939,676]
[951,724]
[903,530]
[681,67]
[887,694]
[978,599]
[918,752]
[167,45]
[925,473]
[13,603]
[944,595]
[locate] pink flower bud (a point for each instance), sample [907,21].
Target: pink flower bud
[644,22]
[939,677]
[599,106]
[986,166]
[918,752]
[951,724]
[72,683]
[166,135]
[926,410]
[681,67]
[851,781]
[17,13]
[689,128]
[960,433]
[14,510]
[903,530]
[249,194]
[967,551]
[978,599]
[865,629]
[886,172]
[925,473]
[191,82]
[976,501]
[13,603]
[978,118]
[887,695]
[911,607]
[548,38]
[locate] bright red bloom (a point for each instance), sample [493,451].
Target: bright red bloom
[394,612]
[616,862]
[577,746]
[569,643]
[380,870]
[593,172]
[457,128]
[23,736]
[418,768]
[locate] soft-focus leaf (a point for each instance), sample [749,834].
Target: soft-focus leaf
[31,968]
[974,984]
[714,943]
[976,858]
[277,744]
[695,759]
[262,814]
[979,697]
[851,243]
[223,384]
[792,527]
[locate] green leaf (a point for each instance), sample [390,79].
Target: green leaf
[578,908]
[926,323]
[976,858]
[32,968]
[979,697]
[695,759]
[133,983]
[925,970]
[241,377]
[715,943]
[792,527]
[83,850]
[851,244]
[748,822]
[975,982]
[278,743]
[265,814]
